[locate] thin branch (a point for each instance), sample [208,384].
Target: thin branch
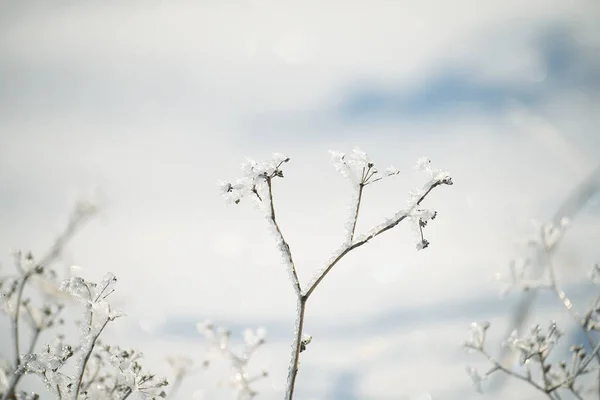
[87,355]
[356,211]
[581,368]
[365,238]
[569,306]
[28,274]
[498,366]
[285,247]
[293,368]
[16,376]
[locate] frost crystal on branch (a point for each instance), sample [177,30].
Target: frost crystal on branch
[536,344]
[476,339]
[358,167]
[254,180]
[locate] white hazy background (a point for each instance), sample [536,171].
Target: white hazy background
[151,102]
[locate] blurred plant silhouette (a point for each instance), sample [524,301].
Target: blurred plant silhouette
[578,377]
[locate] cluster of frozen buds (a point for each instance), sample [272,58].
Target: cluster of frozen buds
[535,346]
[219,338]
[358,168]
[254,179]
[436,175]
[476,336]
[11,286]
[47,365]
[126,375]
[421,216]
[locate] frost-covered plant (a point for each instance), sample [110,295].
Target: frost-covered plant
[113,372]
[256,183]
[219,339]
[182,367]
[85,370]
[39,275]
[535,347]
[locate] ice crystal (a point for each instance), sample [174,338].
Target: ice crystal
[47,365]
[476,338]
[536,344]
[253,181]
[358,168]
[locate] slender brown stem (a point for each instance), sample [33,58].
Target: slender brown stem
[293,368]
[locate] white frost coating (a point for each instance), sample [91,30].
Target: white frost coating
[253,181]
[476,336]
[295,347]
[351,165]
[326,265]
[361,171]
[95,318]
[284,252]
[349,225]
